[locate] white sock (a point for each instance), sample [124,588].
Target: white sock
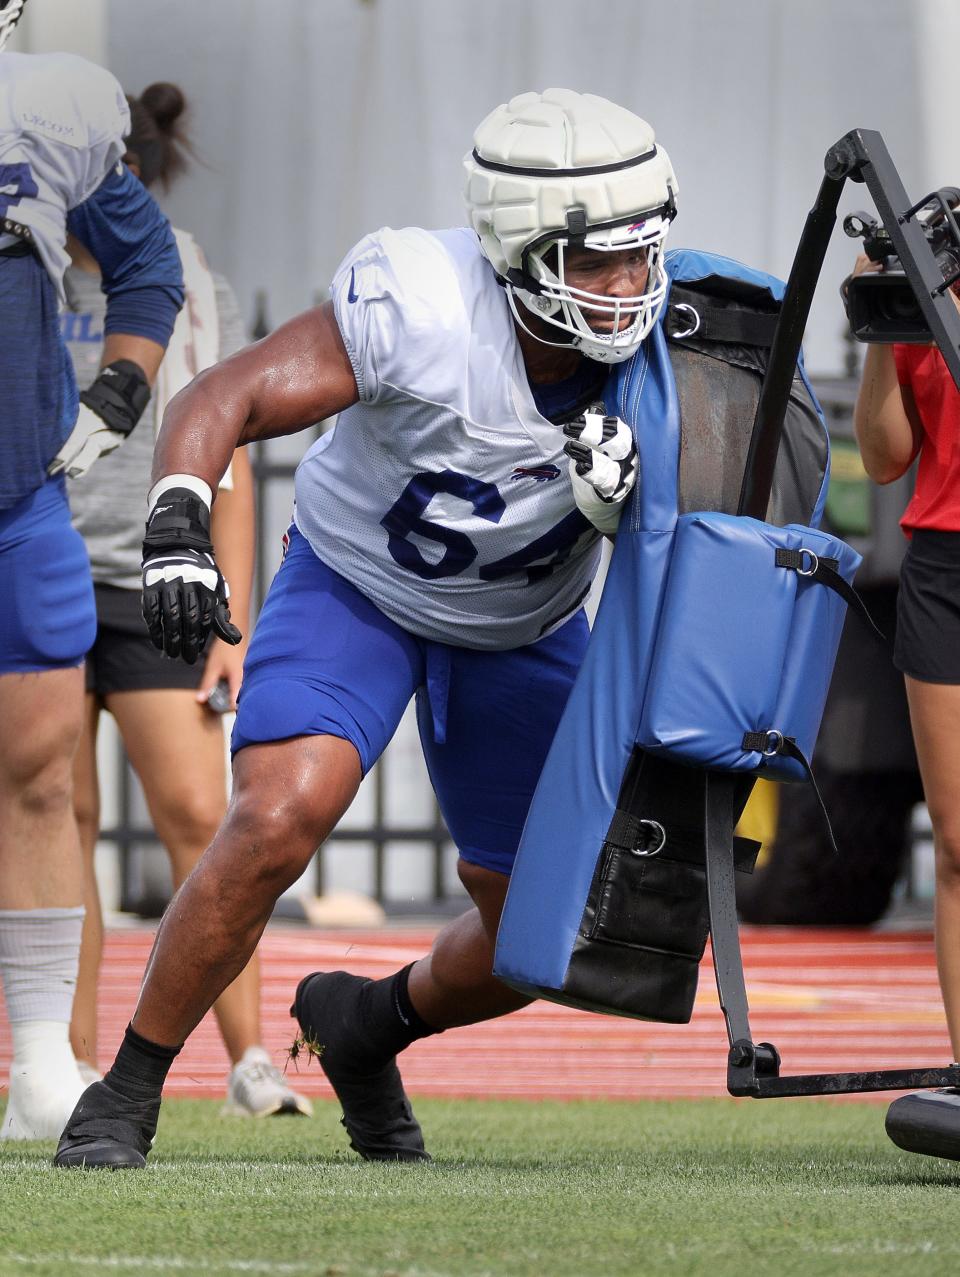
[42,1045]
[45,1082]
[39,954]
[39,951]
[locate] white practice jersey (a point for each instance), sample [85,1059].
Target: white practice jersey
[443,495]
[62,123]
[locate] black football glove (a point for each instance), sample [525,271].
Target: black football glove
[184,593]
[108,412]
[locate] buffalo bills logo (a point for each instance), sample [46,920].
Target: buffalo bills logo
[542,474]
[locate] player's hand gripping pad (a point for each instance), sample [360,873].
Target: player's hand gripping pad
[707,650]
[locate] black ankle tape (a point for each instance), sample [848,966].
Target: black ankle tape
[406,1011]
[141,1066]
[168,1053]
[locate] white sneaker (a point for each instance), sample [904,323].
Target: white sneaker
[256,1088]
[89,1072]
[36,1108]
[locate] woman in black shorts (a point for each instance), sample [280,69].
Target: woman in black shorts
[908,407]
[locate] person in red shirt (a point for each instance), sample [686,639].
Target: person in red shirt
[909,407]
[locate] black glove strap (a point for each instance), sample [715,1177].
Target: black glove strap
[118,395]
[179,520]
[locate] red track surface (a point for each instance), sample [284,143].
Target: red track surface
[829,1000]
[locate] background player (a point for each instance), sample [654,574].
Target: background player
[437,549]
[61,127]
[172,735]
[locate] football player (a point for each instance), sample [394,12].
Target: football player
[444,539]
[62,122]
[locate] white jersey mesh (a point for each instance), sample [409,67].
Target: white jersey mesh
[62,121]
[443,494]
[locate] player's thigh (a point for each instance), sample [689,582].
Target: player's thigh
[47,621]
[324,661]
[502,711]
[41,714]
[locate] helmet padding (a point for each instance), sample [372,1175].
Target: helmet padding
[554,168]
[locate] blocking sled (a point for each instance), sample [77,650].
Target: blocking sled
[711,653]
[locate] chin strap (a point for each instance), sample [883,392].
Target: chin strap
[512,300]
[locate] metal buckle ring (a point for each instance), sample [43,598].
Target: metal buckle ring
[814,563]
[695,326]
[775,748]
[659,832]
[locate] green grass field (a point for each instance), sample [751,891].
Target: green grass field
[713,1187]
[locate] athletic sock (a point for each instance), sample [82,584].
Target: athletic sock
[39,953]
[405,1009]
[390,1020]
[141,1067]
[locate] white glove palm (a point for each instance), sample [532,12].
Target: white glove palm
[603,467]
[90,439]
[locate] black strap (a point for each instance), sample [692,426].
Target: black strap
[624,830]
[689,315]
[628,832]
[633,833]
[20,249]
[118,395]
[823,570]
[10,226]
[772,742]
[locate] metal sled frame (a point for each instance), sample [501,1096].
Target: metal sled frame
[753,1068]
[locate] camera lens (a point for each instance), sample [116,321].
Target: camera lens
[898,306]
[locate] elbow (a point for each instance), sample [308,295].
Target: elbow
[884,470]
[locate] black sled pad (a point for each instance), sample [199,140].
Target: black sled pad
[927,1122]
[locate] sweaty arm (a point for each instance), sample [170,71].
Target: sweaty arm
[298,375]
[131,240]
[885,418]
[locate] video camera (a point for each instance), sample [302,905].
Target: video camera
[881,305]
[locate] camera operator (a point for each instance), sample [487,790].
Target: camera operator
[908,406]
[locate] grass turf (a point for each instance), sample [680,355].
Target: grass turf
[518,1189]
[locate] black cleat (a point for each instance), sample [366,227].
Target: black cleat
[927,1122]
[376,1112]
[106,1131]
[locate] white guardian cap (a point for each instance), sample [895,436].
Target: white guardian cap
[559,168]
[10,11]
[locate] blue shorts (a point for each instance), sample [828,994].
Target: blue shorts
[48,619]
[325,661]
